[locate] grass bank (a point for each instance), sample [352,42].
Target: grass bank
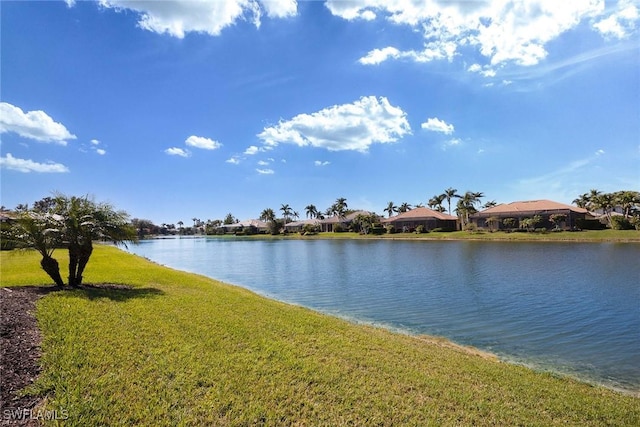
[622,236]
[181,349]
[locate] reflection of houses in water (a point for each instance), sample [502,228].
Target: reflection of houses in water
[494,217]
[428,218]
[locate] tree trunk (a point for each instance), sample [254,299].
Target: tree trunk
[74,256]
[51,267]
[83,259]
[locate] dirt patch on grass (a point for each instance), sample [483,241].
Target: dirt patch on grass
[19,352]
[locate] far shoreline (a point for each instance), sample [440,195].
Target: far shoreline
[584,236]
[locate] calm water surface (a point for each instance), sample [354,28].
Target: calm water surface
[572,308]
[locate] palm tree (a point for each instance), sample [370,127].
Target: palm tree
[286,212]
[582,201]
[339,208]
[40,231]
[466,206]
[312,211]
[180,224]
[449,194]
[628,201]
[267,215]
[435,202]
[605,202]
[84,221]
[391,208]
[404,207]
[490,204]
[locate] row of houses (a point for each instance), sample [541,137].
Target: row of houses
[429,219]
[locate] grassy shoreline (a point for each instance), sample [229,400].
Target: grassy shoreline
[597,236]
[182,349]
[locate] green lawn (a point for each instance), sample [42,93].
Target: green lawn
[181,349]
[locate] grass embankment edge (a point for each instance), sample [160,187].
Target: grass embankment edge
[594,236]
[182,349]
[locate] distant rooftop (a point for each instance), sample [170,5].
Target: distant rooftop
[531,206]
[420,213]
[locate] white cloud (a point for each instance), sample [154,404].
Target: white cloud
[202,142]
[263,163]
[434,124]
[94,147]
[321,163]
[453,142]
[354,126]
[377,56]
[32,124]
[502,31]
[178,17]
[280,8]
[26,166]
[485,71]
[234,160]
[175,151]
[252,150]
[621,23]
[600,152]
[265,171]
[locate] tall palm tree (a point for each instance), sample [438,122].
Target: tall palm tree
[286,212]
[435,202]
[490,204]
[312,211]
[449,194]
[391,208]
[466,206]
[582,201]
[339,208]
[404,207]
[628,201]
[267,215]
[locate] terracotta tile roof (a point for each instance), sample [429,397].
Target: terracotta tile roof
[302,222]
[530,207]
[418,214]
[347,218]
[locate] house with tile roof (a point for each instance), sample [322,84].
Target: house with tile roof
[260,226]
[299,225]
[494,217]
[428,218]
[328,224]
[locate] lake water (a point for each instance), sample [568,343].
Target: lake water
[572,308]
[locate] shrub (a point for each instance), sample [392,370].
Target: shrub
[338,228]
[420,229]
[377,230]
[391,229]
[590,224]
[309,229]
[621,223]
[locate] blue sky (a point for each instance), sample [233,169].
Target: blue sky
[172,110]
